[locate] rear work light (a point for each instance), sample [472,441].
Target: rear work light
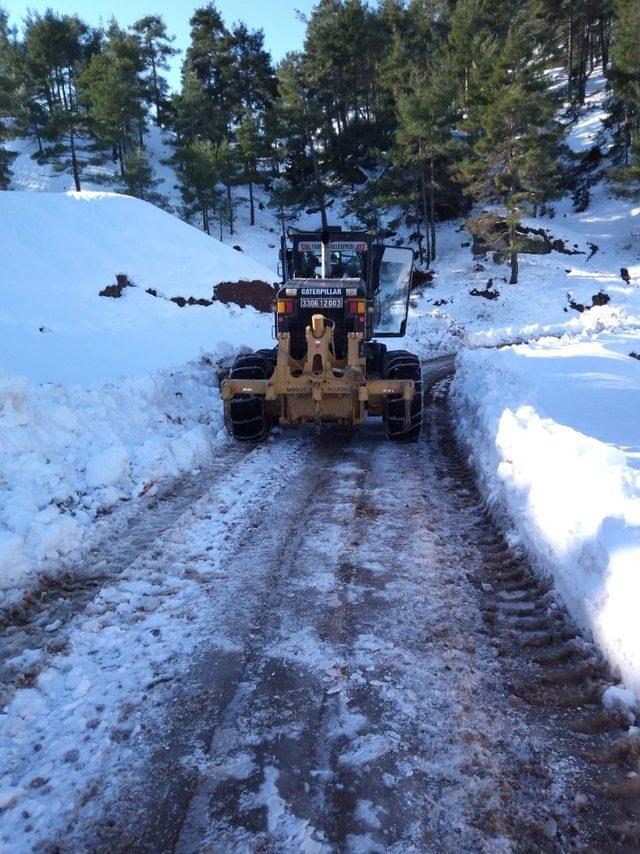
[285,306]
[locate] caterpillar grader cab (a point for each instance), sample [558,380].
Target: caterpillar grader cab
[341,292]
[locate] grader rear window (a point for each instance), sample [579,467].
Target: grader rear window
[348,259]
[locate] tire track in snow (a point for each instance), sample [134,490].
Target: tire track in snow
[78,731]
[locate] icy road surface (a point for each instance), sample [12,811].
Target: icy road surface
[322,644]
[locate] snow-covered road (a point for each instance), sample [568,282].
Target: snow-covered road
[328,646]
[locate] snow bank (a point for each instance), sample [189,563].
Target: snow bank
[553,430]
[69,455]
[58,251]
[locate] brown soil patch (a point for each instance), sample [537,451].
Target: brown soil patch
[256,293]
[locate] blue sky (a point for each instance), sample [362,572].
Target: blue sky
[282,30]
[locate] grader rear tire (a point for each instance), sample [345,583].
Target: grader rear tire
[245,414]
[401,365]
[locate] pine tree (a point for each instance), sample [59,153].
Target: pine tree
[625,105]
[253,78]
[156,51]
[139,177]
[8,101]
[514,160]
[300,116]
[198,175]
[55,46]
[111,91]
[344,51]
[250,149]
[229,169]
[209,60]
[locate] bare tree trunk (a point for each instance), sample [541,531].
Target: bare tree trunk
[432,211]
[252,209]
[514,256]
[425,216]
[570,53]
[230,206]
[156,92]
[604,44]
[121,157]
[74,159]
[36,130]
[321,201]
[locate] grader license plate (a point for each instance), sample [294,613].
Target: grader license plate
[321,302]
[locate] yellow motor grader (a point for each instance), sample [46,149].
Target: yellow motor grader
[341,290]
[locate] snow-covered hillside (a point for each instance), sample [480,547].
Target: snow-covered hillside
[58,251]
[72,448]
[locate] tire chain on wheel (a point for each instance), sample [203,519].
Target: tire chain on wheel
[402,365]
[247,417]
[270,357]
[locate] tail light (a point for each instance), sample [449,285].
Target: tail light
[286,306]
[357,306]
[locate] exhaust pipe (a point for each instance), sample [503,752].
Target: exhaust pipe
[325,259]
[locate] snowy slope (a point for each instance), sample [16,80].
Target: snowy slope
[29,174]
[58,251]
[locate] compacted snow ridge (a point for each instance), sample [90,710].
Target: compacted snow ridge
[71,456]
[553,430]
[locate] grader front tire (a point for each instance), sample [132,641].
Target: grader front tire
[245,415]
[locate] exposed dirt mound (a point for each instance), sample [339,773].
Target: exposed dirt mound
[115,291]
[258,294]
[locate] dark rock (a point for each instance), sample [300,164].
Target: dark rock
[487,293]
[600,299]
[421,279]
[624,275]
[576,306]
[238,248]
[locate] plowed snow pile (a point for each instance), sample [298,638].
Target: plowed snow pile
[58,251]
[553,430]
[96,403]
